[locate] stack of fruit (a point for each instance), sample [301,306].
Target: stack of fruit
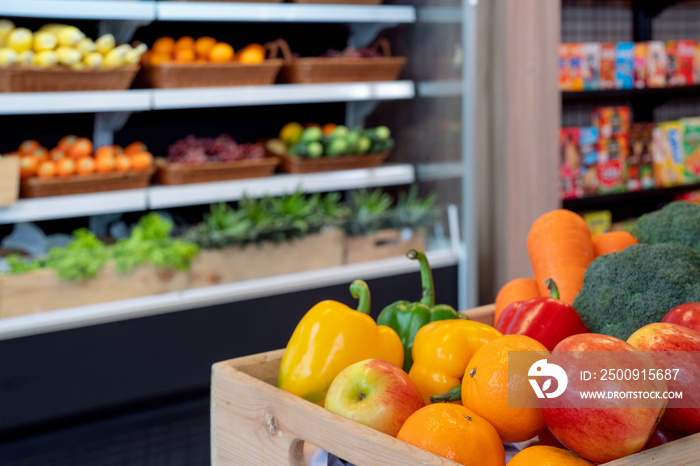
[203,50]
[330,140]
[461,388]
[193,150]
[74,156]
[60,44]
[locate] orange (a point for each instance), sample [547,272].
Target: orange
[105,165]
[163,45]
[46,169]
[221,53]
[56,154]
[66,142]
[27,166]
[82,147]
[485,387]
[252,54]
[612,241]
[141,160]
[65,167]
[135,147]
[118,150]
[41,153]
[541,455]
[105,151]
[185,42]
[328,128]
[28,146]
[159,58]
[454,432]
[85,166]
[122,163]
[203,45]
[184,56]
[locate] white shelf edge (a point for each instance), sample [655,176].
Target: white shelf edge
[279,94]
[439,171]
[440,88]
[45,322]
[284,12]
[439,14]
[77,205]
[161,197]
[30,103]
[80,9]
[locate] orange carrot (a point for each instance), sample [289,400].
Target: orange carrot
[520,289]
[560,248]
[613,241]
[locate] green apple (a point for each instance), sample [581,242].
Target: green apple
[375,393]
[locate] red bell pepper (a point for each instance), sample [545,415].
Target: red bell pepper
[547,320]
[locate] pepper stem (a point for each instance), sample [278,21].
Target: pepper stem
[553,289]
[426,277]
[360,290]
[455,394]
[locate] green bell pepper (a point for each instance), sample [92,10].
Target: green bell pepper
[407,318]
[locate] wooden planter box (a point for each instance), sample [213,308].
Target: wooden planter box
[41,290]
[254,422]
[382,245]
[9,179]
[234,264]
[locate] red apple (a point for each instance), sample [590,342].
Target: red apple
[375,393]
[683,415]
[687,315]
[601,430]
[659,437]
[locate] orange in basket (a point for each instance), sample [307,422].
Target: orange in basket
[81,148]
[221,53]
[85,166]
[185,42]
[104,164]
[27,166]
[203,46]
[28,146]
[123,163]
[135,147]
[141,160]
[252,54]
[163,45]
[184,56]
[66,142]
[159,58]
[46,169]
[65,167]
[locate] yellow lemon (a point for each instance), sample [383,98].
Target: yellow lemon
[105,43]
[26,57]
[46,58]
[68,56]
[86,45]
[8,56]
[93,60]
[69,36]
[44,41]
[19,40]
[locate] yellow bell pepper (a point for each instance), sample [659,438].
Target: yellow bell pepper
[329,338]
[441,352]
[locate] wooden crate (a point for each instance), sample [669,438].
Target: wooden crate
[84,184]
[184,173]
[32,78]
[294,164]
[381,245]
[9,179]
[234,264]
[254,422]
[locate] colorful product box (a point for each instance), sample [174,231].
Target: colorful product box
[588,142]
[570,78]
[641,52]
[611,121]
[624,65]
[612,157]
[571,186]
[679,69]
[640,168]
[657,62]
[590,65]
[691,148]
[607,66]
[667,153]
[689,196]
[599,222]
[563,67]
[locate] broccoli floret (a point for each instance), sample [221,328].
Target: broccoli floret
[678,222]
[626,290]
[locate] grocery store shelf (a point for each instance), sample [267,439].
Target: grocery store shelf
[80,9]
[444,88]
[25,103]
[79,205]
[660,92]
[284,12]
[83,316]
[280,94]
[438,171]
[161,197]
[440,14]
[626,198]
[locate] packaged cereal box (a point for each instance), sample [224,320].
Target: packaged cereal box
[564,80]
[569,173]
[607,66]
[612,156]
[570,78]
[624,65]
[590,65]
[588,141]
[639,167]
[685,56]
[611,121]
[691,148]
[656,60]
[696,65]
[641,51]
[667,153]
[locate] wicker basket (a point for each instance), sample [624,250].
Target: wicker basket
[175,75]
[27,78]
[181,173]
[291,164]
[83,184]
[328,70]
[340,2]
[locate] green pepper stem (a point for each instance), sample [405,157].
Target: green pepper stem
[426,277]
[360,290]
[455,394]
[553,289]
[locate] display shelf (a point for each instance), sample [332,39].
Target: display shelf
[78,205]
[439,171]
[80,9]
[601,201]
[656,92]
[439,14]
[444,88]
[284,12]
[15,327]
[26,103]
[161,197]
[280,94]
